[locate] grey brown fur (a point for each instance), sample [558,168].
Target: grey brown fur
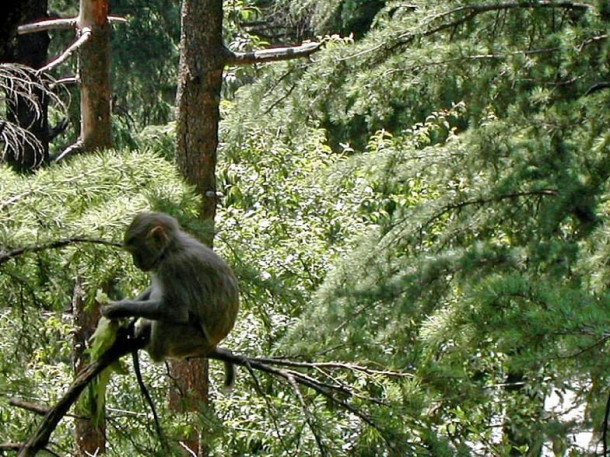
[193,300]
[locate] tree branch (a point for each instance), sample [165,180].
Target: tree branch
[85,35]
[468,12]
[54,24]
[50,24]
[272,55]
[74,148]
[6,256]
[125,343]
[458,206]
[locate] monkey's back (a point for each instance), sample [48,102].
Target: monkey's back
[202,283]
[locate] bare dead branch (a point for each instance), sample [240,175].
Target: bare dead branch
[336,365]
[6,256]
[61,23]
[65,81]
[85,35]
[50,24]
[328,391]
[272,55]
[76,147]
[41,410]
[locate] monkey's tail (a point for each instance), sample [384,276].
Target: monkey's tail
[229,367]
[229,375]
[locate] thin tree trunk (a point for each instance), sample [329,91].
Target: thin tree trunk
[201,64]
[96,133]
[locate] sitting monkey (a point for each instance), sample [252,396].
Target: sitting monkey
[193,300]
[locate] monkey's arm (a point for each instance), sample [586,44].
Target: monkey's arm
[154,309]
[145,295]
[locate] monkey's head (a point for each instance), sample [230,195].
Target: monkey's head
[147,238]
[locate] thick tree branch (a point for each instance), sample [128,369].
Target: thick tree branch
[6,256]
[124,344]
[50,24]
[272,55]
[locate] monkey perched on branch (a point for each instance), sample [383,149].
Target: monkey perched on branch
[193,300]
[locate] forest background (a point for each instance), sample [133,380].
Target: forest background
[419,208]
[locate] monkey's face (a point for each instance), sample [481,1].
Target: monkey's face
[146,245]
[143,260]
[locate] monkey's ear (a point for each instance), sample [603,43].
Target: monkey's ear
[158,235]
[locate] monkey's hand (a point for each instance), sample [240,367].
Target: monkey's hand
[114,310]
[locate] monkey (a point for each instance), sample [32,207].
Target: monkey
[193,299]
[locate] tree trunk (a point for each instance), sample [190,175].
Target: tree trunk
[200,78]
[12,14]
[201,65]
[96,133]
[94,73]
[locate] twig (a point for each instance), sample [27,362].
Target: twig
[6,256]
[322,389]
[605,427]
[308,417]
[147,397]
[338,365]
[270,407]
[272,55]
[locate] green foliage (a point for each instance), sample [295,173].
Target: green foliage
[94,197]
[429,199]
[469,146]
[93,401]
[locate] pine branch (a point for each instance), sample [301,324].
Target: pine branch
[6,256]
[467,12]
[458,206]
